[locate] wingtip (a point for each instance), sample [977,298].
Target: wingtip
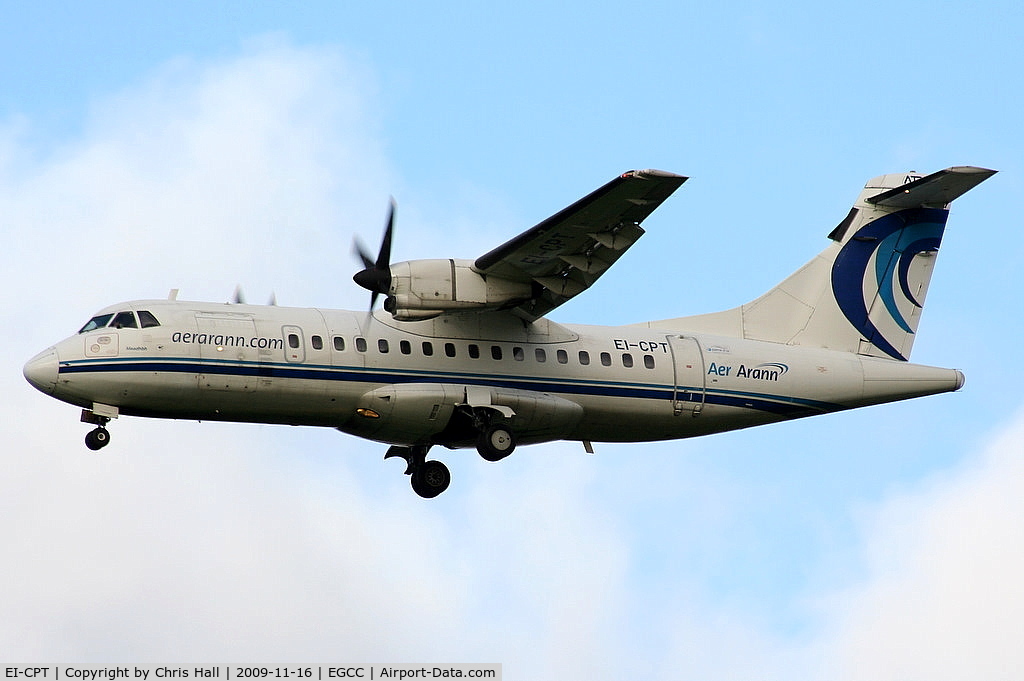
[972,169]
[653,172]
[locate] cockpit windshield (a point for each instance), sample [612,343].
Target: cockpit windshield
[124,320]
[121,320]
[146,319]
[97,322]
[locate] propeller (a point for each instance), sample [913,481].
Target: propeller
[376,275]
[239,297]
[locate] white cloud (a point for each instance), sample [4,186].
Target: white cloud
[943,598]
[255,170]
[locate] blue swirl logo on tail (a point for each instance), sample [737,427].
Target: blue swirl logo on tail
[892,242]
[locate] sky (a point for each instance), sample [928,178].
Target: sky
[202,146]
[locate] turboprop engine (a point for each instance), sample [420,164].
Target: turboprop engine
[421,289]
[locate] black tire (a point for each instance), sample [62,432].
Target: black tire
[430,479]
[496,442]
[97,439]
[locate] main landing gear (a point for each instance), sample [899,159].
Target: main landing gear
[494,438]
[495,442]
[429,478]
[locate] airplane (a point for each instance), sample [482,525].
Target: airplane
[464,354]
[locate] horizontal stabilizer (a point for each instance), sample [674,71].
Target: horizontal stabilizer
[936,190]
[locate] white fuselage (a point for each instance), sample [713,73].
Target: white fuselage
[404,382]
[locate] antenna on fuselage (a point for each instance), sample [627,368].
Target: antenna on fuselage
[173,294]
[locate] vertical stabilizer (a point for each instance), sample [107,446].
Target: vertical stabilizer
[865,292]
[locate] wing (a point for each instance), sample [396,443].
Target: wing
[563,255]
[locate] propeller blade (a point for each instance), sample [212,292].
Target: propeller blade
[375,276]
[359,251]
[384,256]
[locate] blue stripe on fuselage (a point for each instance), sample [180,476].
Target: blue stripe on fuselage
[776,404]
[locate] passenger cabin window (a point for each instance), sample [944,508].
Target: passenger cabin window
[97,322]
[405,347]
[449,349]
[518,354]
[584,357]
[293,340]
[147,320]
[428,348]
[540,355]
[125,320]
[361,344]
[606,359]
[318,342]
[649,361]
[339,343]
[474,351]
[627,360]
[562,356]
[382,346]
[496,352]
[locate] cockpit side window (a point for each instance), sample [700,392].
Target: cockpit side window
[147,320]
[125,320]
[97,322]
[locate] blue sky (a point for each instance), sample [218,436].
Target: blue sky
[184,145]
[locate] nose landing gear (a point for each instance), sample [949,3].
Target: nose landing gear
[98,438]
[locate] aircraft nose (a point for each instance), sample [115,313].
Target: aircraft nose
[41,371]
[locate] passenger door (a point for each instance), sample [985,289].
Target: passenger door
[689,380]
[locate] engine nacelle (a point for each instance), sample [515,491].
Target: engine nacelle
[421,289]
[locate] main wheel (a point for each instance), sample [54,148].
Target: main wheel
[97,439]
[496,442]
[430,479]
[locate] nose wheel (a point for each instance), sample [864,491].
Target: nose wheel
[97,439]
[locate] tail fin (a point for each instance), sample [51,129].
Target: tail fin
[865,292]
